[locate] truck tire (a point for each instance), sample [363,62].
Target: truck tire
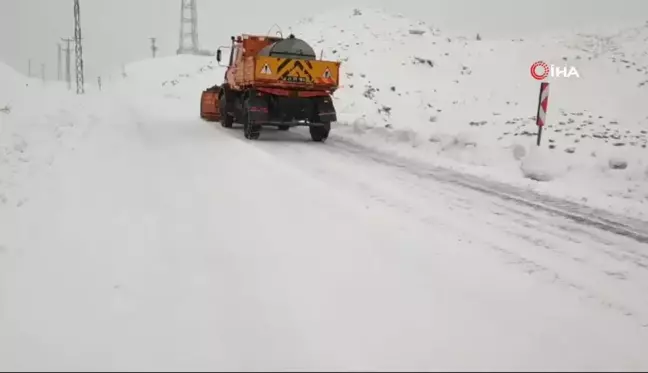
[226,119]
[251,130]
[283,128]
[320,133]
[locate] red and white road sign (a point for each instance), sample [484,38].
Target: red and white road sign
[543,104]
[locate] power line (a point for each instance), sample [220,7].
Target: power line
[68,62]
[188,28]
[154,47]
[60,65]
[78,48]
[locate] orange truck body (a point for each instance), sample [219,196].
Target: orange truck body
[269,77]
[287,74]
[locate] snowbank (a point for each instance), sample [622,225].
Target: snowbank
[470,104]
[12,86]
[177,74]
[177,80]
[37,121]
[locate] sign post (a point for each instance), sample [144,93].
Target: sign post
[543,102]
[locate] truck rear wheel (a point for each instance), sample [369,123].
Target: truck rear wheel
[320,133]
[226,119]
[251,130]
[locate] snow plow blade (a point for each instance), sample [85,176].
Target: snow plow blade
[210,105]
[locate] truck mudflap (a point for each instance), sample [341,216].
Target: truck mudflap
[210,105]
[326,109]
[257,109]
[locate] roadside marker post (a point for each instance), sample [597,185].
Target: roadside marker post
[543,102]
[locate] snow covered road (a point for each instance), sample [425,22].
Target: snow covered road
[178,245]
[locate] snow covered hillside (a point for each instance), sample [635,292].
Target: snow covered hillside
[470,104]
[174,77]
[176,81]
[41,121]
[37,121]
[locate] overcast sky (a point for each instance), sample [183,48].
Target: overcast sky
[118,31]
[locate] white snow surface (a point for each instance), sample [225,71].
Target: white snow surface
[135,236]
[470,105]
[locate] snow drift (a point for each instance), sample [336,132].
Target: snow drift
[38,120]
[12,86]
[178,81]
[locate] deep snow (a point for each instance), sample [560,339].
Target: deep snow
[38,121]
[470,105]
[133,235]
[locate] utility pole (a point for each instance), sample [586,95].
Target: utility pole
[188,28]
[29,71]
[43,71]
[68,62]
[154,48]
[59,66]
[78,48]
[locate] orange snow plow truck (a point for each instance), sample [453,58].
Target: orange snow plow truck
[273,82]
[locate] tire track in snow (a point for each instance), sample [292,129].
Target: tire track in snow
[598,261]
[624,226]
[584,215]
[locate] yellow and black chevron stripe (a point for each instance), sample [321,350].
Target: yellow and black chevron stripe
[291,70]
[294,70]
